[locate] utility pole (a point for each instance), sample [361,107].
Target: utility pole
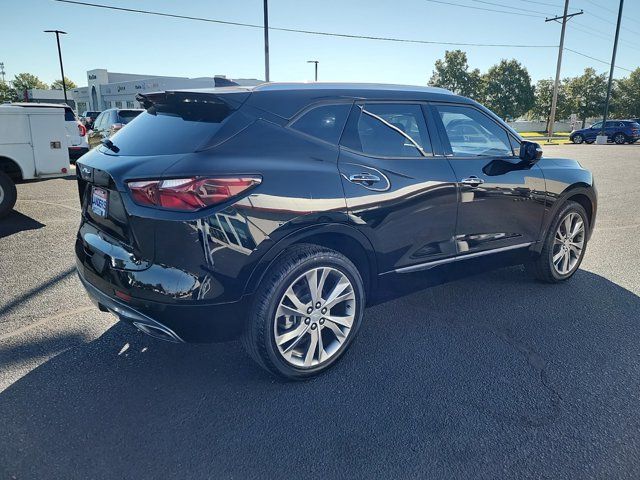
[613,65]
[266,40]
[554,101]
[316,66]
[64,86]
[2,71]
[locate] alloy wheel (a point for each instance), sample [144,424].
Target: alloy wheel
[1,194]
[578,139]
[314,317]
[619,139]
[568,243]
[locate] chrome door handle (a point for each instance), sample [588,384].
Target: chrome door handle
[472,181]
[364,178]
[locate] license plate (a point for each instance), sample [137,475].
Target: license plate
[99,201]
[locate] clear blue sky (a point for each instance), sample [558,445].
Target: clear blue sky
[134,43]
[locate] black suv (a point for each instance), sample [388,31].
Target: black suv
[277,213]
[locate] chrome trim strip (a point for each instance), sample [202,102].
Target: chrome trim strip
[435,263]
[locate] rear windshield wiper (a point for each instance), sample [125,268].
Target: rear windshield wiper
[109,144]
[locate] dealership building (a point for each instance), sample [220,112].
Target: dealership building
[118,90]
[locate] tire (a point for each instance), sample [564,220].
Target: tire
[577,139]
[8,194]
[589,142]
[272,314]
[543,266]
[620,138]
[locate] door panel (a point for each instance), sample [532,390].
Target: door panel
[502,201]
[405,199]
[50,143]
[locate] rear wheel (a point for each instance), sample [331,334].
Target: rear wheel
[8,194]
[578,139]
[564,246]
[306,312]
[620,138]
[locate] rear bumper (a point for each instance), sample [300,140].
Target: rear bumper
[194,322]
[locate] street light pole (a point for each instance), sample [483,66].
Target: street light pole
[316,67]
[64,85]
[554,99]
[2,71]
[613,65]
[266,40]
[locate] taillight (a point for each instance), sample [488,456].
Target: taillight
[189,194]
[82,129]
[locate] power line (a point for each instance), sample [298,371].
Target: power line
[601,34]
[542,3]
[596,59]
[600,6]
[293,30]
[485,9]
[509,6]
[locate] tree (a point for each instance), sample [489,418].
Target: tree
[27,81]
[587,94]
[543,99]
[453,73]
[508,90]
[627,95]
[57,85]
[7,94]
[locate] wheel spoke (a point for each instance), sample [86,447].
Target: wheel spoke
[577,228]
[291,334]
[567,225]
[565,262]
[311,349]
[287,310]
[291,295]
[558,256]
[312,282]
[320,345]
[339,334]
[339,320]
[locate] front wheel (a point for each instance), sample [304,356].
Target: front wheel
[577,139]
[8,194]
[620,138]
[306,312]
[564,246]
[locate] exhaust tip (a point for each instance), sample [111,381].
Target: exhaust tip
[158,331]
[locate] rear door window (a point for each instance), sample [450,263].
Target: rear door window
[324,122]
[69,116]
[471,133]
[389,130]
[125,116]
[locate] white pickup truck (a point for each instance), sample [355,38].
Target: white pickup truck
[33,145]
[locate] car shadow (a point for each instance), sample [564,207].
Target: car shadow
[16,222]
[484,377]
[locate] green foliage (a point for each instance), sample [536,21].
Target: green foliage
[7,94]
[453,73]
[543,98]
[57,85]
[508,90]
[627,96]
[587,93]
[27,81]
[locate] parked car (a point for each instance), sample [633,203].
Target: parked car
[618,131]
[109,122]
[88,117]
[275,214]
[76,131]
[33,145]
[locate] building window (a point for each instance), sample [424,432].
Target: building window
[118,104]
[130,104]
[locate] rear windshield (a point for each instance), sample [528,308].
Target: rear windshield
[125,116]
[172,125]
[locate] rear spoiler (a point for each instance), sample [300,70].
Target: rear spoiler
[232,99]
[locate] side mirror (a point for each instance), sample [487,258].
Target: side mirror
[530,152]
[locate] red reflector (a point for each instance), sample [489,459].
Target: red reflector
[82,129]
[63,170]
[189,194]
[122,296]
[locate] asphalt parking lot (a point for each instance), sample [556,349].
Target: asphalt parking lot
[490,376]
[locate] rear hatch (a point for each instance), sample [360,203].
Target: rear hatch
[174,127]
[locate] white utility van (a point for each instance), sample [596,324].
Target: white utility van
[33,145]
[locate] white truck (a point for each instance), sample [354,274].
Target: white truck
[33,145]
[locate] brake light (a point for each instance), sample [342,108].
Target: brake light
[82,129]
[189,194]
